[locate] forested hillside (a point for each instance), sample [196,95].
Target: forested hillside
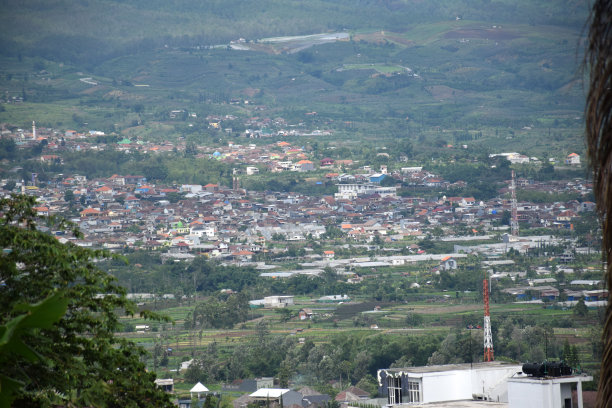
[92,31]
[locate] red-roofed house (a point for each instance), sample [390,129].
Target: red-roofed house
[305,165]
[566,215]
[42,211]
[448,262]
[243,255]
[573,159]
[90,212]
[327,162]
[329,254]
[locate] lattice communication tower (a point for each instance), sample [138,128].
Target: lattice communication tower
[488,337]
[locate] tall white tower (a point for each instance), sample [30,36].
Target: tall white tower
[34,130]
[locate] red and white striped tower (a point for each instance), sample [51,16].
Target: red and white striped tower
[514,224]
[488,337]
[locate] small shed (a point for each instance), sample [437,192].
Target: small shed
[289,397]
[166,384]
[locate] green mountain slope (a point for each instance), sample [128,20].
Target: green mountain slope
[87,30]
[396,68]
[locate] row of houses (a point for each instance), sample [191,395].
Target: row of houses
[489,384]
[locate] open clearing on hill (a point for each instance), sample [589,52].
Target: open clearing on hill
[497,34]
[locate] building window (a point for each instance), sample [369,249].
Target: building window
[414,392]
[394,387]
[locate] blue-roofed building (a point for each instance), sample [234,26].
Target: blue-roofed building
[377,178]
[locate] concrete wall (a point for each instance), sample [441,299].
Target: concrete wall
[566,392]
[493,383]
[291,398]
[530,395]
[446,386]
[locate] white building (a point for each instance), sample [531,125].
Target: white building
[191,188]
[453,382]
[412,169]
[350,191]
[513,157]
[278,301]
[250,170]
[548,392]
[497,384]
[209,231]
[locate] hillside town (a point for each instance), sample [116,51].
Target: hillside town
[324,204]
[240,227]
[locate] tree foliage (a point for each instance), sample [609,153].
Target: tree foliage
[580,309]
[84,363]
[217,312]
[38,316]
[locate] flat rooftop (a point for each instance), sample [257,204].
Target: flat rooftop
[454,367]
[560,379]
[459,404]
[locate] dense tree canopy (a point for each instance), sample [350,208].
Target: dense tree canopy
[82,362]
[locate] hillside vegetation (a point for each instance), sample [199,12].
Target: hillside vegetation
[88,31]
[392,69]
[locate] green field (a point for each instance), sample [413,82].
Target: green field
[439,317]
[381,68]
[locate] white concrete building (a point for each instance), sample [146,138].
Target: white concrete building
[411,169]
[453,382]
[497,384]
[548,392]
[250,170]
[209,231]
[278,301]
[191,188]
[350,191]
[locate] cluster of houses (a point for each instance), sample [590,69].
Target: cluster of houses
[489,384]
[572,159]
[264,391]
[539,290]
[236,227]
[233,223]
[249,158]
[262,127]
[274,157]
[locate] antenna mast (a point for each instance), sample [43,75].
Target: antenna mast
[514,225]
[488,337]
